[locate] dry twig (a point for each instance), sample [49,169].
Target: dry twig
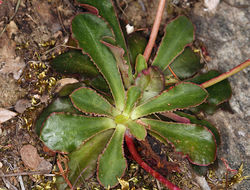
[45,173]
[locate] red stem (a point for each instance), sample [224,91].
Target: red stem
[138,159]
[155,30]
[63,174]
[175,76]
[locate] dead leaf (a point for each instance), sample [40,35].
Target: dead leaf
[61,83]
[5,115]
[9,62]
[32,160]
[11,29]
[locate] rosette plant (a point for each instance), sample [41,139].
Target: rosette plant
[121,94]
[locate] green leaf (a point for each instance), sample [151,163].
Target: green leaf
[136,44]
[88,101]
[194,141]
[179,33]
[106,10]
[112,163]
[58,105]
[74,62]
[171,80]
[151,82]
[120,61]
[219,92]
[137,130]
[200,170]
[133,94]
[181,96]
[141,64]
[202,122]
[205,107]
[65,132]
[99,84]
[185,65]
[83,161]
[88,30]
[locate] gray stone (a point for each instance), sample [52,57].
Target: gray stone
[226,35]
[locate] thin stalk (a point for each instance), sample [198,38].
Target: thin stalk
[226,75]
[138,159]
[155,30]
[63,174]
[176,117]
[45,173]
[175,76]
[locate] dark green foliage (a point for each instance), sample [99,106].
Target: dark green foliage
[218,93]
[74,62]
[95,118]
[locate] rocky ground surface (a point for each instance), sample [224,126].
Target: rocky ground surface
[26,81]
[226,34]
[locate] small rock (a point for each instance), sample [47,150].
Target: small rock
[129,29]
[44,166]
[44,98]
[211,5]
[22,105]
[202,182]
[32,160]
[30,156]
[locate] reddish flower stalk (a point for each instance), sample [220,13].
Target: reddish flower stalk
[155,29]
[63,174]
[138,159]
[176,117]
[226,75]
[173,73]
